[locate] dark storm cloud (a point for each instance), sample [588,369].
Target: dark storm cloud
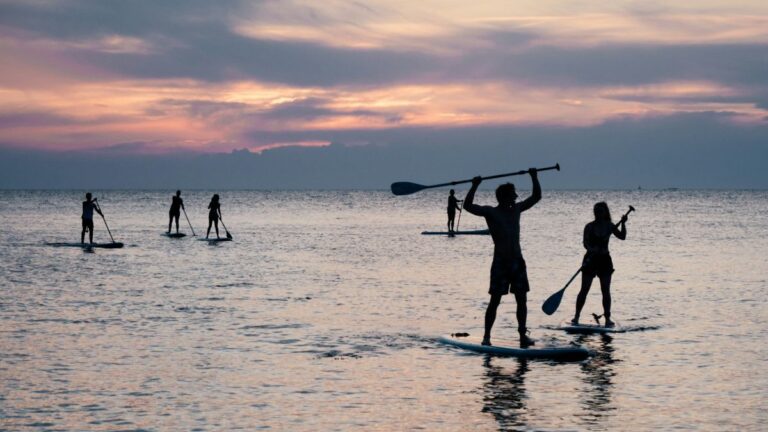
[687,151]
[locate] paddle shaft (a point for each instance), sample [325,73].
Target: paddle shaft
[453,183]
[105,221]
[407,188]
[190,223]
[461,210]
[225,227]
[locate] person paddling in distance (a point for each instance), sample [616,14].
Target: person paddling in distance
[597,260]
[453,205]
[176,205]
[89,205]
[508,270]
[214,214]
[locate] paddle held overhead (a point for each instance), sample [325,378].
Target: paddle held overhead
[407,188]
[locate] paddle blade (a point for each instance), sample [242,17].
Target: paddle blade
[229,236]
[553,302]
[406,188]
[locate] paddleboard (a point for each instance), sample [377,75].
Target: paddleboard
[445,233]
[583,328]
[512,349]
[115,245]
[174,235]
[215,240]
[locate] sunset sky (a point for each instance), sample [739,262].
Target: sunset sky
[156,77]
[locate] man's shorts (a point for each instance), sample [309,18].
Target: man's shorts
[597,265]
[508,276]
[174,214]
[88,223]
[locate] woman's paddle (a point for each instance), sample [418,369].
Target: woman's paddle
[229,236]
[407,188]
[553,302]
[190,223]
[105,220]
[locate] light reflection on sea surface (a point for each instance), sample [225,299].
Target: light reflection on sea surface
[324,313]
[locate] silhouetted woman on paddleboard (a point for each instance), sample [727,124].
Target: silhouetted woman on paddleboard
[597,260]
[214,214]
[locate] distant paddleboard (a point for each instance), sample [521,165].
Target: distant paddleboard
[445,233]
[512,349]
[215,240]
[115,245]
[174,235]
[590,328]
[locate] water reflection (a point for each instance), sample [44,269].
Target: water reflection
[598,375]
[505,396]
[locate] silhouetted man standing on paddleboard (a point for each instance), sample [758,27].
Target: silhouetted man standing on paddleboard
[88,207]
[453,205]
[176,205]
[508,271]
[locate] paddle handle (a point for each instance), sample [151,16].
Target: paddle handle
[631,209]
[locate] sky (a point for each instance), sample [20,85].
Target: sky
[347,94]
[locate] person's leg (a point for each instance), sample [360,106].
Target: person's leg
[490,317]
[581,299]
[210,222]
[605,287]
[522,311]
[170,221]
[177,222]
[521,298]
[82,233]
[216,224]
[90,231]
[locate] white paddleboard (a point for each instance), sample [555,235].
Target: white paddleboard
[445,233]
[512,349]
[583,328]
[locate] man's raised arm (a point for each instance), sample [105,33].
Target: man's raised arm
[469,199]
[536,196]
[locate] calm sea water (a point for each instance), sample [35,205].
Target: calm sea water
[323,314]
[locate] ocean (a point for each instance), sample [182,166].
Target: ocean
[324,314]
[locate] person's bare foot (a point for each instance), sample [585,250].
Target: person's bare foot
[486,341]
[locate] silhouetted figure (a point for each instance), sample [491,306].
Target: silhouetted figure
[508,271]
[176,205]
[453,205]
[89,206]
[597,261]
[214,213]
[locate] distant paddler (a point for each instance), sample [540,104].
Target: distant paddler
[508,271]
[214,214]
[175,212]
[453,205]
[597,260]
[89,206]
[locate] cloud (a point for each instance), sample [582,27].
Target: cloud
[687,151]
